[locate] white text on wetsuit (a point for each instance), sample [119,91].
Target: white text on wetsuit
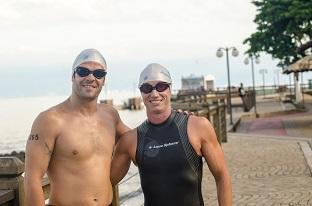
[163,145]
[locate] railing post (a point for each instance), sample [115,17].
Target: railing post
[11,170]
[217,120]
[115,196]
[208,112]
[223,120]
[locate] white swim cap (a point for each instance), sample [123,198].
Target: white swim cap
[154,72]
[89,55]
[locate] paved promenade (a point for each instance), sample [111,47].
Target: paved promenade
[269,158]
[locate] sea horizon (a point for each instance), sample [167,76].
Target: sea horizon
[17,115]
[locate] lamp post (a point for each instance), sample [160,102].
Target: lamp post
[277,71]
[246,61]
[220,54]
[263,72]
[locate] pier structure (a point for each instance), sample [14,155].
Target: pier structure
[133,103]
[107,101]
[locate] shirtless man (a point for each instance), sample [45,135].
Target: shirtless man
[168,149]
[73,142]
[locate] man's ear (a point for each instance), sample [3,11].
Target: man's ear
[73,76]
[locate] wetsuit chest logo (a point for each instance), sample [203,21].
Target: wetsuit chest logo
[152,148]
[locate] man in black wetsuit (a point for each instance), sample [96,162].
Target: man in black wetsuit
[168,149]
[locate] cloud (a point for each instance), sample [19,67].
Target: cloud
[55,30]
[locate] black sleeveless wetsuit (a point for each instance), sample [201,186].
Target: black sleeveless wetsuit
[170,170]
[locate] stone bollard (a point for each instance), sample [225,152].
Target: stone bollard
[11,170]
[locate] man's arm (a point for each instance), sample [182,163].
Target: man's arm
[121,128]
[213,154]
[122,156]
[39,149]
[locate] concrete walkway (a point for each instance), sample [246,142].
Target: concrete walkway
[269,158]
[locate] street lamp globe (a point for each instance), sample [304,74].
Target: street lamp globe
[219,53]
[235,52]
[246,60]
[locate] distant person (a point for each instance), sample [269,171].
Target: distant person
[168,149]
[73,142]
[242,94]
[241,90]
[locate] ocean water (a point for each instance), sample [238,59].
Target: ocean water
[18,114]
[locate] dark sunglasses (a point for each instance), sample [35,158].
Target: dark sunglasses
[83,72]
[160,87]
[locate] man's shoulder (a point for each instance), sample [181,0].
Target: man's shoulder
[198,121]
[52,114]
[108,110]
[200,131]
[131,133]
[48,123]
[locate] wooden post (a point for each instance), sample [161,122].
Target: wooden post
[208,113]
[6,197]
[115,196]
[11,169]
[223,120]
[217,120]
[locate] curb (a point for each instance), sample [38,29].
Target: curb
[307,153]
[260,115]
[232,128]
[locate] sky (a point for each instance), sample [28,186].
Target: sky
[41,38]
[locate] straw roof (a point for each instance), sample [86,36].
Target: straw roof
[302,65]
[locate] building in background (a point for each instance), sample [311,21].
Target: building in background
[198,83]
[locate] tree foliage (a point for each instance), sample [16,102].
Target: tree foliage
[284,29]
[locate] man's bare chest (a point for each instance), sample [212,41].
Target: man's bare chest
[82,140]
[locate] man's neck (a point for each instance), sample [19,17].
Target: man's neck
[158,118]
[83,106]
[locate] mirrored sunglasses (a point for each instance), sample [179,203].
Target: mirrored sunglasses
[160,87]
[83,72]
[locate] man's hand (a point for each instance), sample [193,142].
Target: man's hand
[185,112]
